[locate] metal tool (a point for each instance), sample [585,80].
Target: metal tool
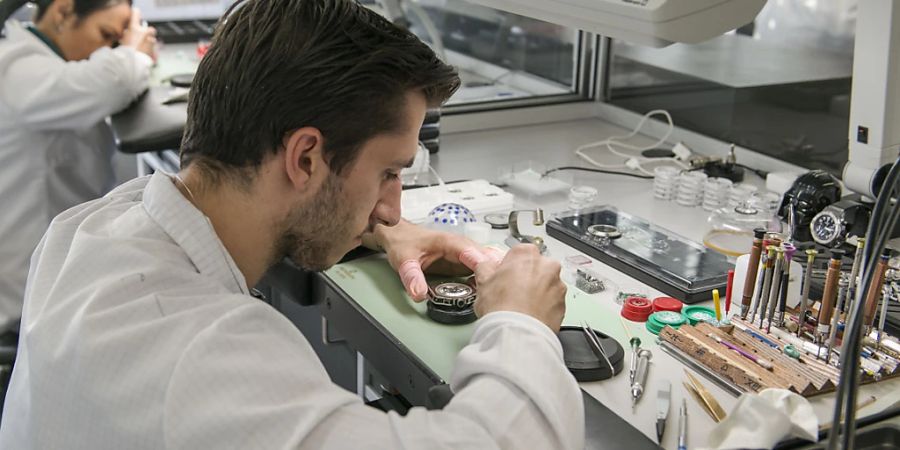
[889,294]
[729,291]
[640,376]
[767,283]
[635,349]
[775,288]
[854,271]
[752,269]
[682,426]
[876,289]
[594,342]
[807,282]
[663,397]
[706,399]
[757,292]
[843,289]
[789,251]
[689,361]
[829,295]
[515,237]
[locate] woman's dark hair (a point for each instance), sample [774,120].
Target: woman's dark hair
[81,8]
[278,65]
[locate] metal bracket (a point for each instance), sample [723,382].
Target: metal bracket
[516,237]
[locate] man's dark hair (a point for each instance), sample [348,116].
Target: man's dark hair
[278,65]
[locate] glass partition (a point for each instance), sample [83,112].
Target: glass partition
[779,86]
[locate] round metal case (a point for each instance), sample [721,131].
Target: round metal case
[826,227]
[604,231]
[452,303]
[498,221]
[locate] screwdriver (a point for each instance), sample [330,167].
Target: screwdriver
[640,376]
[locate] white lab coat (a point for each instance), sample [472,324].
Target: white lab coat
[55,143]
[138,332]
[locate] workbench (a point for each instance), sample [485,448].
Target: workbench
[364,302]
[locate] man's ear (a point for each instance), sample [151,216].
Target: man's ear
[304,158]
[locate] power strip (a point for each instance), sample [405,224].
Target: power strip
[479,196]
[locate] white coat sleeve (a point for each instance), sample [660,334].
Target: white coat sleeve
[47,93]
[252,381]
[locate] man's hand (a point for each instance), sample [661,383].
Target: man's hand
[412,250]
[524,282]
[139,36]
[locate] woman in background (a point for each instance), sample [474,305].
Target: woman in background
[60,79]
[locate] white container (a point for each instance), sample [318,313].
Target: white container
[665,182]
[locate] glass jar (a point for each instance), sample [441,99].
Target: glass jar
[730,230]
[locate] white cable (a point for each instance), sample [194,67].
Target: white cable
[425,162]
[439,179]
[632,160]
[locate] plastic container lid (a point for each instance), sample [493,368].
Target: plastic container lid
[637,309]
[660,320]
[667,304]
[694,314]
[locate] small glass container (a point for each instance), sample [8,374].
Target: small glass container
[665,180]
[730,230]
[581,197]
[690,188]
[739,193]
[715,193]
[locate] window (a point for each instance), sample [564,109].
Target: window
[779,86]
[501,57]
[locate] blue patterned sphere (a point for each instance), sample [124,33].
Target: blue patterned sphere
[450,217]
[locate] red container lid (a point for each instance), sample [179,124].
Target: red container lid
[667,304]
[637,309]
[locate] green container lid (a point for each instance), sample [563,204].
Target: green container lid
[658,320]
[694,314]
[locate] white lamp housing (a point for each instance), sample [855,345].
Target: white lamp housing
[655,23]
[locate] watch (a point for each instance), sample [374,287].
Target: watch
[831,226]
[454,295]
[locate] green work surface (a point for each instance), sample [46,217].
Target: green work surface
[375,286]
[173,63]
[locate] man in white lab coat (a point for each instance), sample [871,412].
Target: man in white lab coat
[139,331]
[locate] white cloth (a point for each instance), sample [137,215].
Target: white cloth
[138,332]
[765,419]
[55,143]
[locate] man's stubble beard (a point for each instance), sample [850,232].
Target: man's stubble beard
[312,231]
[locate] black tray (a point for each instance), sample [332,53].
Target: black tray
[653,255]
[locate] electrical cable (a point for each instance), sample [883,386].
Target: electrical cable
[847,367]
[632,161]
[855,326]
[426,161]
[879,231]
[760,173]
[588,169]
[439,179]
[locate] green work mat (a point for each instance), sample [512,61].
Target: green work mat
[375,286]
[172,63]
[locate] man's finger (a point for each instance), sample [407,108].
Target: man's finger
[413,279]
[495,254]
[472,257]
[486,269]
